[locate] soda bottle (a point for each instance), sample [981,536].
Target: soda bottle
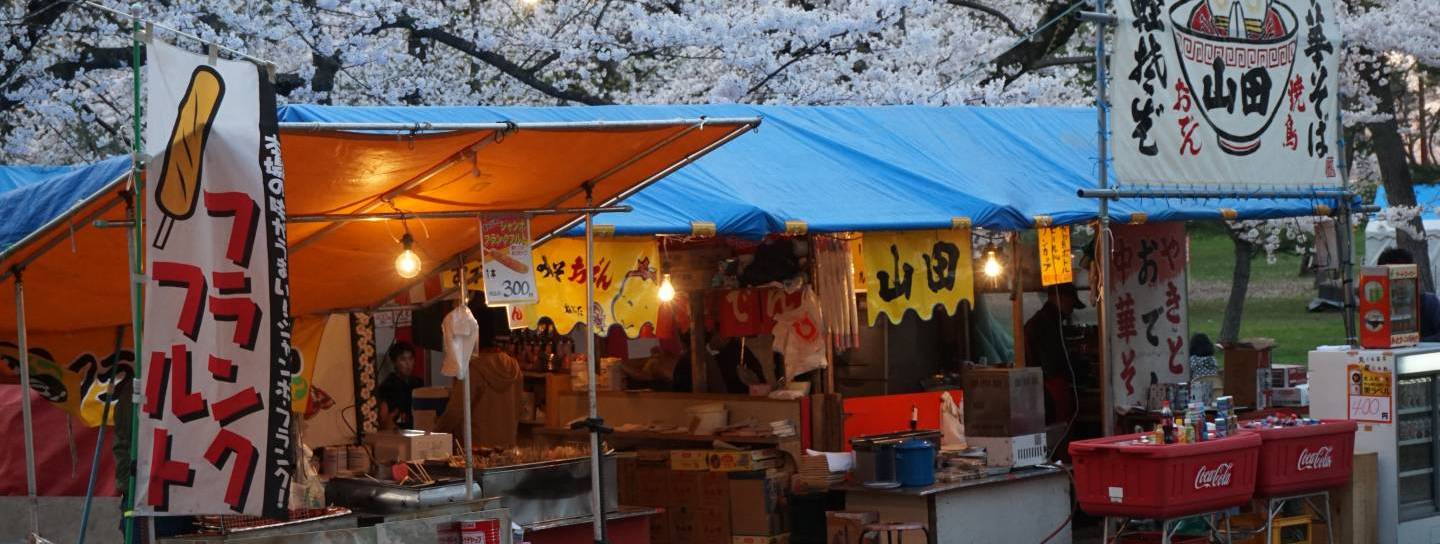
[1167,421]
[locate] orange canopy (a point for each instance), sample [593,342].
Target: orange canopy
[74,274]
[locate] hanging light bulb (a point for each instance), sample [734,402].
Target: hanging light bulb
[407,264]
[667,290]
[992,268]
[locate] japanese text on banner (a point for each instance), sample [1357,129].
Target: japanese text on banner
[1240,93]
[917,270]
[1149,334]
[1055,257]
[214,435]
[627,284]
[509,276]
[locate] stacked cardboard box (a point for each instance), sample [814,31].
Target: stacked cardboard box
[706,497]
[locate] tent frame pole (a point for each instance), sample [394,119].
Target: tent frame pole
[1102,240]
[401,216]
[100,435]
[420,128]
[597,480]
[469,452]
[24,356]
[137,270]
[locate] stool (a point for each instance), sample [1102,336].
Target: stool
[893,531]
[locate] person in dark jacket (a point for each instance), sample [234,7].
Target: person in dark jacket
[395,392]
[1429,304]
[1045,348]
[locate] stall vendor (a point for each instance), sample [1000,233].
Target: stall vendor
[1045,348]
[1429,303]
[395,392]
[495,398]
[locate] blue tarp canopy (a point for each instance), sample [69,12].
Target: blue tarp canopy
[1426,196]
[858,168]
[43,193]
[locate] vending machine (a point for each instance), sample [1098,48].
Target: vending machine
[1394,395]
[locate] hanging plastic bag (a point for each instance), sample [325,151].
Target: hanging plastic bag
[952,422]
[799,336]
[461,332]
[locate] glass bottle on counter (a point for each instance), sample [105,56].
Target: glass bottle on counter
[1167,422]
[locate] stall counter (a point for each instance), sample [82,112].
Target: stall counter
[982,510]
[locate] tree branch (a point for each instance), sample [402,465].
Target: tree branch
[499,62]
[977,6]
[1062,61]
[1032,51]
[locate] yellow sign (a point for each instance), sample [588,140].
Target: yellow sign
[1055,257]
[307,333]
[627,284]
[72,370]
[917,270]
[1369,392]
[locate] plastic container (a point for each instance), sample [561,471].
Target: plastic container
[707,418]
[1307,458]
[1115,477]
[915,462]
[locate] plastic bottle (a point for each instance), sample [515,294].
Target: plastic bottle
[1167,422]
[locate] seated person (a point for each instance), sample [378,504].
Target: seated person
[395,391]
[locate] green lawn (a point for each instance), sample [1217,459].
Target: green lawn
[1280,316]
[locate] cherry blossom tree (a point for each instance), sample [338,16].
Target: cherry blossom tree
[66,84]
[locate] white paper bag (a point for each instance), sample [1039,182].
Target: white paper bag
[461,332]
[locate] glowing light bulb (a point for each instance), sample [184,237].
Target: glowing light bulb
[992,268]
[667,290]
[407,264]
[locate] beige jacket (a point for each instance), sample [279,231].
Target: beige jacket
[495,398]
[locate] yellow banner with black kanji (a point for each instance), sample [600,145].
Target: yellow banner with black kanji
[627,284]
[917,270]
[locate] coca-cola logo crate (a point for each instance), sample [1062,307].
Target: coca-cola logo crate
[1307,458]
[1116,477]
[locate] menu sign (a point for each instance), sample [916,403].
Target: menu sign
[509,274]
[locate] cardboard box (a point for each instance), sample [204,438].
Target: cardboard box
[652,485]
[714,524]
[743,461]
[1004,402]
[406,445]
[689,460]
[1243,363]
[756,508]
[1290,396]
[776,539]
[685,488]
[847,527]
[1288,375]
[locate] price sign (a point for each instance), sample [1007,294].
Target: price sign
[506,265]
[1369,390]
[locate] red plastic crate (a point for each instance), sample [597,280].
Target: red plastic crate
[1300,459]
[1153,537]
[1114,477]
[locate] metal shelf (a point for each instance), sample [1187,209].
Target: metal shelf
[1415,442]
[1414,410]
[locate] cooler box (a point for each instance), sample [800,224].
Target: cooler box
[1114,477]
[1300,459]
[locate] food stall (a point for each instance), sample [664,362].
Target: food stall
[427,181]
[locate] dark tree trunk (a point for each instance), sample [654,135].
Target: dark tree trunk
[1239,287]
[1394,166]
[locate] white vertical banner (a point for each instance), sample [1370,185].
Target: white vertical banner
[1148,327]
[1229,92]
[214,434]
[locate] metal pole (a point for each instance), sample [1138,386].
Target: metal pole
[24,357]
[465,386]
[137,268]
[401,216]
[100,436]
[1102,239]
[1347,237]
[597,492]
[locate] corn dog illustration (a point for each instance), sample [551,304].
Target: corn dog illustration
[178,190]
[508,262]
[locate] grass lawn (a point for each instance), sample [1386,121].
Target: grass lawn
[1276,305]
